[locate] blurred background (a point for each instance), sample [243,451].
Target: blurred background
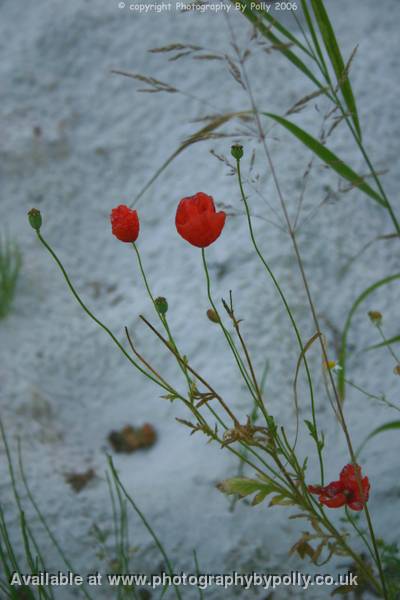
[77,140]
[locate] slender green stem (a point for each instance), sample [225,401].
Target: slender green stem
[145,523]
[259,401]
[196,564]
[25,528]
[162,318]
[359,532]
[357,559]
[91,315]
[373,396]
[228,337]
[43,519]
[369,163]
[218,397]
[288,310]
[389,346]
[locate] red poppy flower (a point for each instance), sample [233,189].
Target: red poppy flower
[197,221]
[346,491]
[125,223]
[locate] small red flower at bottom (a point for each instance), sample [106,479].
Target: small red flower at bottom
[125,223]
[346,491]
[197,221]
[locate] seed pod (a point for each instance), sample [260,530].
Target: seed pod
[35,219]
[161,305]
[237,151]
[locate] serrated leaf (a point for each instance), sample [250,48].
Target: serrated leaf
[244,486]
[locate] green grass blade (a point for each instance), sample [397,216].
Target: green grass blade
[267,33]
[196,564]
[343,350]
[279,27]
[389,342]
[328,157]
[119,485]
[314,38]
[44,521]
[10,265]
[33,563]
[335,56]
[386,427]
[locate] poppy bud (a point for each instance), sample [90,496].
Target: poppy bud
[237,151]
[375,316]
[125,223]
[212,315]
[161,305]
[35,219]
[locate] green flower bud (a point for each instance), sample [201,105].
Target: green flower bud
[35,218]
[212,315]
[161,305]
[237,151]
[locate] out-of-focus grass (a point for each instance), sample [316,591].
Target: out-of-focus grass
[10,265]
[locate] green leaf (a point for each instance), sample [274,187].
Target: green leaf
[333,50]
[343,350]
[311,429]
[244,486]
[389,342]
[328,157]
[258,498]
[281,501]
[386,427]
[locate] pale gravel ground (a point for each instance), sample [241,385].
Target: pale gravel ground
[63,385]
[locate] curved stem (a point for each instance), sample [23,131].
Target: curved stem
[91,315]
[288,310]
[162,318]
[226,333]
